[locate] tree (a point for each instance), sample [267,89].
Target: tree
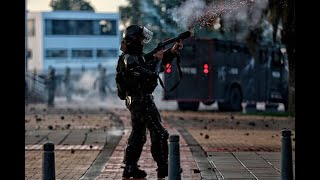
[284,11]
[153,15]
[71,5]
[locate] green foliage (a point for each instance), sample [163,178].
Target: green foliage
[152,14]
[71,5]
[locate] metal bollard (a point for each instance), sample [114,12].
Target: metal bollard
[174,158]
[48,162]
[286,156]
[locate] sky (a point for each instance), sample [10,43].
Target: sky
[99,5]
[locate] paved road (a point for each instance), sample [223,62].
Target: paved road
[90,143]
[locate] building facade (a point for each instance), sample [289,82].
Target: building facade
[75,39]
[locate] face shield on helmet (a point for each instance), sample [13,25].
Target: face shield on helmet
[137,33]
[147,35]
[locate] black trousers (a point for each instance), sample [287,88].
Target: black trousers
[144,114]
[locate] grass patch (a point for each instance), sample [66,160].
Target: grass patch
[278,114]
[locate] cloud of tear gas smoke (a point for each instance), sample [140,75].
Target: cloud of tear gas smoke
[88,97]
[187,12]
[87,79]
[84,95]
[239,16]
[83,89]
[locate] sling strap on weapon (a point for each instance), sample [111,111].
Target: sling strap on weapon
[180,76]
[161,45]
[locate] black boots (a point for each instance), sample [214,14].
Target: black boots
[133,171]
[162,171]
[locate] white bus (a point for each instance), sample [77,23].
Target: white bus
[76,39]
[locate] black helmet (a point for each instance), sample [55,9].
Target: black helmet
[136,33]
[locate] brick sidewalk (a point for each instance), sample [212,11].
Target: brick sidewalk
[68,164]
[233,132]
[238,139]
[113,168]
[80,142]
[80,139]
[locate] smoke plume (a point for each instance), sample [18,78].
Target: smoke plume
[188,12]
[238,16]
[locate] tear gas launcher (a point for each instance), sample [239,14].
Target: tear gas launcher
[161,45]
[181,36]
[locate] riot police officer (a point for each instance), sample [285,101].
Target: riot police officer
[68,84]
[100,82]
[137,77]
[51,86]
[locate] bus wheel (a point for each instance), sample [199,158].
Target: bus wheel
[188,106]
[208,103]
[233,102]
[235,99]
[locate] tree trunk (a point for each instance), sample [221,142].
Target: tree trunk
[292,94]
[290,41]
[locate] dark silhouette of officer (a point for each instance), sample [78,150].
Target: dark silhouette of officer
[68,84]
[51,85]
[136,78]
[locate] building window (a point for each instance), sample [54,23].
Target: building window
[56,53]
[105,53]
[81,27]
[107,27]
[31,27]
[29,53]
[82,53]
[57,27]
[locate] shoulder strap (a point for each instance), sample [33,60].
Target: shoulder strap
[180,77]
